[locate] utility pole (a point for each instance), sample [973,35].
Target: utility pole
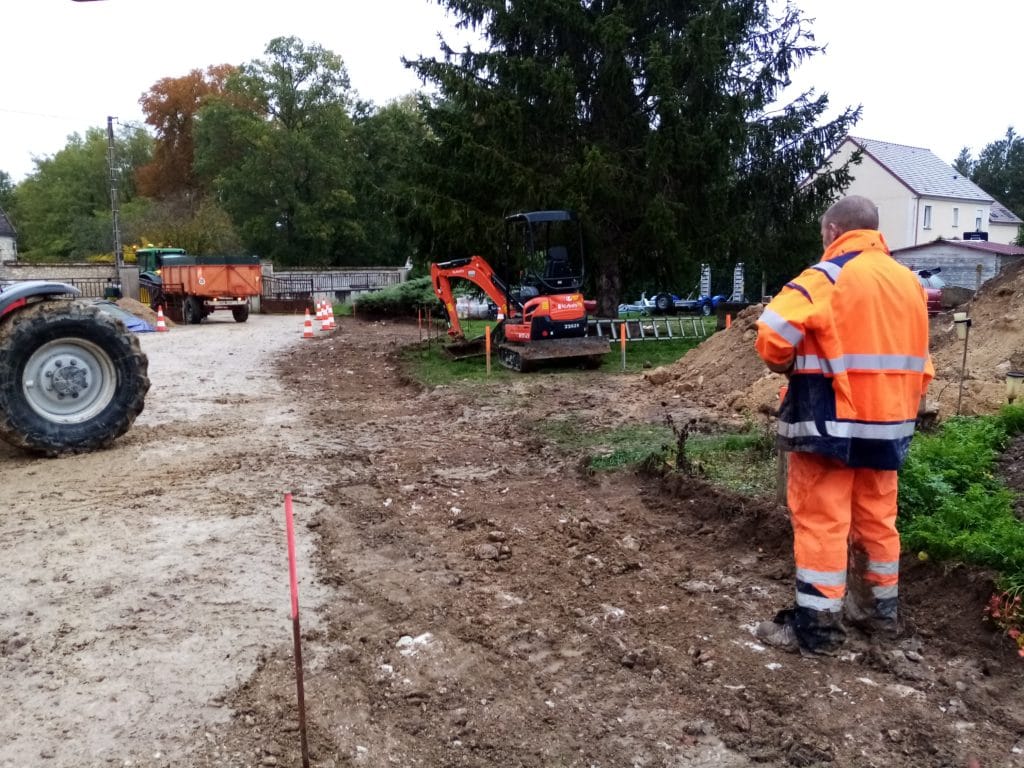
[114,205]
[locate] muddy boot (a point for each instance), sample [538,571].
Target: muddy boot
[804,630]
[873,617]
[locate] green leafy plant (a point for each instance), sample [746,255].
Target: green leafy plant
[952,504]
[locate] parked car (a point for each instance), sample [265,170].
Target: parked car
[933,285]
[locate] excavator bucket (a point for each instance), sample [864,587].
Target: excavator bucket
[463,349]
[586,350]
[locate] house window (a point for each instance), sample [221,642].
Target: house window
[977,220]
[956,218]
[927,217]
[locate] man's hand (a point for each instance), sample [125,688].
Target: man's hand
[783,368]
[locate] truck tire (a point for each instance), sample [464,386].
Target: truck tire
[72,378]
[193,310]
[241,314]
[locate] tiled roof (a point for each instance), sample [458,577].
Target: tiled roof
[1000,214]
[922,171]
[6,228]
[977,245]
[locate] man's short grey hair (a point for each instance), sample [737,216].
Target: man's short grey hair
[853,212]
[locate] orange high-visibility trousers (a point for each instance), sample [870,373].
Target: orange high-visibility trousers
[833,507]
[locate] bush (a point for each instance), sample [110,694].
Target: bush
[402,300]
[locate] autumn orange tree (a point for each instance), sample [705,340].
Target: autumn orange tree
[170,107]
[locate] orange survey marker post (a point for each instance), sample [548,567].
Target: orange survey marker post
[487,347]
[622,343]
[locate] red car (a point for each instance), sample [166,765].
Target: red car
[932,288]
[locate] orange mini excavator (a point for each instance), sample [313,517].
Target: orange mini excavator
[544,318]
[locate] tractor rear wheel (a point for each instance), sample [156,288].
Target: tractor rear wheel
[72,378]
[241,314]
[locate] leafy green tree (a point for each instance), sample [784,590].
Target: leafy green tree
[389,144]
[999,170]
[277,148]
[657,122]
[6,190]
[62,209]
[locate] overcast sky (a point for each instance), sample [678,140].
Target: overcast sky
[926,76]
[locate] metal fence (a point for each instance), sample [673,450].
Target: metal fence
[92,287]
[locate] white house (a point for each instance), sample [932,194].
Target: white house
[8,240]
[920,198]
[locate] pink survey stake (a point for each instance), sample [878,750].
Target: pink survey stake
[290,525]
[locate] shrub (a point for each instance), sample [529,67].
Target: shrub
[402,300]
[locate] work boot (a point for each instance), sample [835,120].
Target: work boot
[802,629]
[781,636]
[881,619]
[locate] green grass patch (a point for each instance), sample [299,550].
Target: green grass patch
[428,364]
[953,506]
[744,462]
[607,449]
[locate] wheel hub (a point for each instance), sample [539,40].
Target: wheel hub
[68,380]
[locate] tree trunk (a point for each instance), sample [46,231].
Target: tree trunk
[609,288]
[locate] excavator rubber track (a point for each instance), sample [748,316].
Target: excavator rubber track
[588,351]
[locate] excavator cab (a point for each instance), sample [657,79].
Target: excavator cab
[546,248]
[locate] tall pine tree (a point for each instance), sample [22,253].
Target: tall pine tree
[656,121]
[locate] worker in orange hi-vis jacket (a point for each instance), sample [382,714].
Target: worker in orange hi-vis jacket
[851,333]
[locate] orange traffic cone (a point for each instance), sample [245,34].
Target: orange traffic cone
[330,315]
[307,327]
[161,324]
[325,321]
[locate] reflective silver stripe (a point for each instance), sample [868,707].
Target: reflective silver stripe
[848,429]
[798,429]
[827,578]
[908,363]
[884,567]
[830,269]
[823,364]
[884,593]
[781,326]
[807,363]
[816,603]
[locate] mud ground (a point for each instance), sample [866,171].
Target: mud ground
[470,596]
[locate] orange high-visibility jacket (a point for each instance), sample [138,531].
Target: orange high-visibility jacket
[855,326]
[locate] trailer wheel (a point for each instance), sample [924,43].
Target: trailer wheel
[241,314]
[75,378]
[193,310]
[706,309]
[662,303]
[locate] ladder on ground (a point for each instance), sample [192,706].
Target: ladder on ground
[649,328]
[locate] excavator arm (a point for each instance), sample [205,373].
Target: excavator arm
[477,271]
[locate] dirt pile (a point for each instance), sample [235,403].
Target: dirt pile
[995,345]
[141,311]
[724,373]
